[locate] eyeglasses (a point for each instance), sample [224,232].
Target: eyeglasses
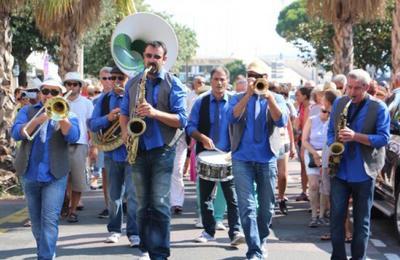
[155,56]
[53,92]
[325,111]
[106,78]
[120,78]
[74,84]
[254,75]
[97,92]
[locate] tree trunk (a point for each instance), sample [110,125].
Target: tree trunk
[396,39]
[7,104]
[69,52]
[343,46]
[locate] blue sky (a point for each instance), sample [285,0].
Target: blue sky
[231,28]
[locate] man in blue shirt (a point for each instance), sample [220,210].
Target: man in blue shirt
[208,125]
[119,172]
[255,144]
[364,137]
[42,160]
[164,112]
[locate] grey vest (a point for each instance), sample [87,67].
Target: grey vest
[169,134]
[374,158]
[59,160]
[237,129]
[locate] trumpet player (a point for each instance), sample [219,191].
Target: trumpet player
[119,176]
[163,110]
[255,144]
[365,134]
[43,163]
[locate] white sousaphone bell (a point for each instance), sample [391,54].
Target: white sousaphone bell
[130,36]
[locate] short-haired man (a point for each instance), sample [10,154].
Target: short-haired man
[340,81]
[364,137]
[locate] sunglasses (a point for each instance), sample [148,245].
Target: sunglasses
[155,56]
[97,92]
[120,78]
[325,111]
[106,78]
[53,92]
[254,75]
[74,84]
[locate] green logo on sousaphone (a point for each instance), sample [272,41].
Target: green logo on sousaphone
[128,54]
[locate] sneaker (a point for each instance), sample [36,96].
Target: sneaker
[134,240]
[302,197]
[198,223]
[282,207]
[323,222]
[177,210]
[103,214]
[264,250]
[144,256]
[238,239]
[204,238]
[113,238]
[72,218]
[220,226]
[313,223]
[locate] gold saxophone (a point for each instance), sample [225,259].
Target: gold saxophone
[336,149]
[136,124]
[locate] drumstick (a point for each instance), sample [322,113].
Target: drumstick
[218,150]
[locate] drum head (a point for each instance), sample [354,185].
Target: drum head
[214,158]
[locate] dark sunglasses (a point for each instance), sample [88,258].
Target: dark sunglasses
[325,111]
[106,78]
[155,56]
[53,92]
[74,84]
[121,78]
[97,92]
[254,75]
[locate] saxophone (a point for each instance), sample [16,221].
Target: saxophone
[136,124]
[336,149]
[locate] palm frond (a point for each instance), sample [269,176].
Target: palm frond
[125,7]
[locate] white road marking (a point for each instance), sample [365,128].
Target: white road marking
[392,257]
[377,243]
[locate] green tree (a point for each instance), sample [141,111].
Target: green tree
[235,68]
[313,37]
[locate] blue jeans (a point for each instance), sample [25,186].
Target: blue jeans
[119,182]
[44,201]
[152,173]
[255,222]
[363,196]
[207,208]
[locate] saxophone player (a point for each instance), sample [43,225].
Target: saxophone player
[163,110]
[364,139]
[105,115]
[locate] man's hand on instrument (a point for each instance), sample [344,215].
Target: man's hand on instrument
[114,114]
[250,86]
[146,109]
[207,142]
[346,135]
[124,135]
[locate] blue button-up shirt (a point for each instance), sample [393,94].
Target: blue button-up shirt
[351,167]
[39,159]
[152,137]
[99,122]
[249,150]
[223,104]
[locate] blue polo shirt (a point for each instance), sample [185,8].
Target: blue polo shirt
[39,159]
[152,137]
[351,167]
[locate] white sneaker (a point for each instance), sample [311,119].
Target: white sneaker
[113,238]
[198,223]
[144,256]
[264,250]
[204,238]
[220,226]
[134,240]
[238,239]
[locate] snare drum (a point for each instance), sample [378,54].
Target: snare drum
[214,166]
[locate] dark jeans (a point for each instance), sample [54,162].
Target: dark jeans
[363,196]
[152,179]
[207,196]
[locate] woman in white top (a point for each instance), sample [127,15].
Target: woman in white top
[313,138]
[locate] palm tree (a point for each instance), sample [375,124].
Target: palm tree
[396,38]
[68,20]
[343,14]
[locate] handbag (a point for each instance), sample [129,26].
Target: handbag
[311,163]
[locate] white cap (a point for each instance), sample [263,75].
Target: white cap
[74,76]
[53,80]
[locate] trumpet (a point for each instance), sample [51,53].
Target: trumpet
[56,108]
[260,86]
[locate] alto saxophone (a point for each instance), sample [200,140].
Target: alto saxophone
[136,124]
[336,149]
